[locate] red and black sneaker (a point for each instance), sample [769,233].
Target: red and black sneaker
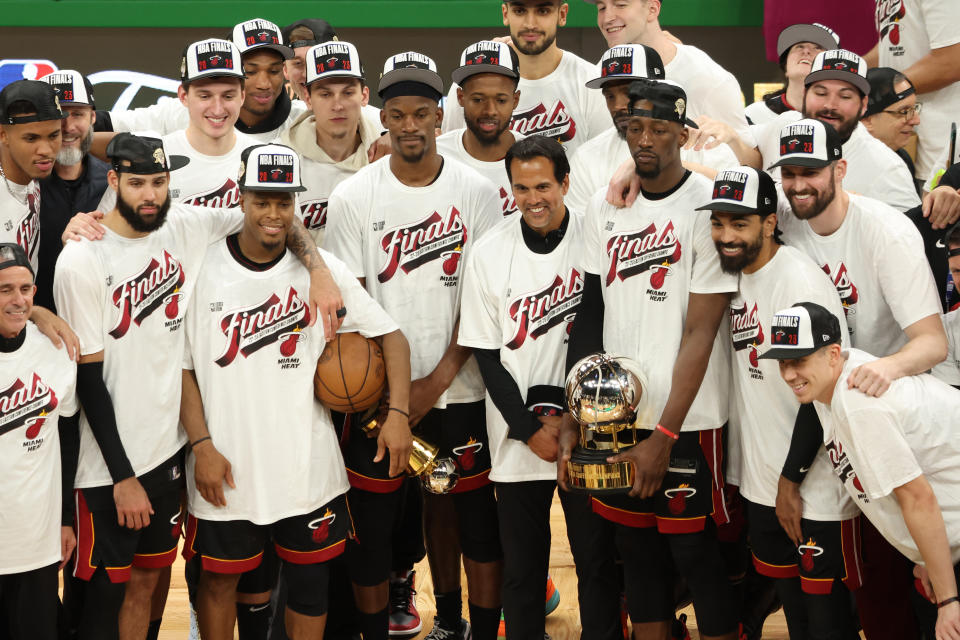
[404,617]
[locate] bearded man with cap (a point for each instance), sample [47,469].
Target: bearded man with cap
[894,454]
[245,486]
[404,225]
[814,573]
[38,448]
[654,291]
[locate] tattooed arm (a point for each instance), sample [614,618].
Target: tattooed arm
[325,299]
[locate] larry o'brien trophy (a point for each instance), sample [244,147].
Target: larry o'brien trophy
[438,475]
[603,394]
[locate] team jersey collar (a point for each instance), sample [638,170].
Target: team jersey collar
[9,345]
[544,244]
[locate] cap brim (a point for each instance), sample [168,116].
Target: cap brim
[855,79]
[804,33]
[423,76]
[282,49]
[226,73]
[597,83]
[800,161]
[273,189]
[462,73]
[729,207]
[336,74]
[177,162]
[784,353]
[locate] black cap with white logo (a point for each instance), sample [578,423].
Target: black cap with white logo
[212,58]
[809,143]
[801,330]
[72,87]
[819,34]
[411,67]
[334,59]
[320,31]
[13,255]
[260,34]
[839,64]
[628,62]
[668,100]
[270,167]
[743,190]
[142,155]
[487,56]
[39,94]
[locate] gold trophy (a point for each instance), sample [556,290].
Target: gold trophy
[603,395]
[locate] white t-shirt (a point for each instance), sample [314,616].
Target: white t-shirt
[37,386]
[255,357]
[320,179]
[759,113]
[450,145]
[595,162]
[879,444]
[909,29]
[523,304]
[558,105]
[650,257]
[949,369]
[127,297]
[873,169]
[20,217]
[767,408]
[877,263]
[408,244]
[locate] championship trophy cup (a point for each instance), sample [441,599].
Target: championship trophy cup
[603,395]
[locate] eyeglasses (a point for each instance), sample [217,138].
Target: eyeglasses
[906,113]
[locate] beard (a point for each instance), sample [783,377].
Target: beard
[485,138]
[533,49]
[821,202]
[134,219]
[620,121]
[649,173]
[70,156]
[735,264]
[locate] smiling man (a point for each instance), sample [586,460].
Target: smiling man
[893,112]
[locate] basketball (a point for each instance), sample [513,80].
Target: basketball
[350,374]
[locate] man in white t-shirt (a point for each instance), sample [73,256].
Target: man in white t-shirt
[895,454]
[38,450]
[553,99]
[403,225]
[815,573]
[654,291]
[487,92]
[245,485]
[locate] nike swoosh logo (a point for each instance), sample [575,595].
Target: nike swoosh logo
[260,608]
[940,245]
[804,469]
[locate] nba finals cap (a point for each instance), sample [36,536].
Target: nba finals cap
[334,59]
[37,93]
[72,87]
[317,30]
[260,34]
[409,68]
[144,155]
[809,143]
[668,101]
[819,34]
[211,58]
[882,92]
[800,330]
[269,167]
[839,64]
[743,190]
[487,56]
[13,255]
[628,62]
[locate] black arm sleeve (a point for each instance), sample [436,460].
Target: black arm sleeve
[505,393]
[806,441]
[69,430]
[104,122]
[586,334]
[98,406]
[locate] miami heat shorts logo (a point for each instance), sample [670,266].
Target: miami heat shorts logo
[552,122]
[275,319]
[225,196]
[808,552]
[649,249]
[26,404]
[745,330]
[175,525]
[320,527]
[136,298]
[677,498]
[534,314]
[412,246]
[467,454]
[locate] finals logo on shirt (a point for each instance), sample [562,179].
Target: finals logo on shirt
[313,213]
[276,319]
[138,297]
[845,289]
[28,229]
[226,196]
[413,246]
[636,252]
[26,404]
[534,314]
[843,468]
[889,15]
[747,333]
[552,122]
[508,204]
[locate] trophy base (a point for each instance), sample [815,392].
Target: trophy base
[588,471]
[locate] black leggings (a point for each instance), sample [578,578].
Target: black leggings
[817,616]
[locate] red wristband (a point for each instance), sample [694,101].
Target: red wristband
[947,601]
[662,429]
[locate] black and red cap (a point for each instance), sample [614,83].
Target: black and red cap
[258,33]
[809,143]
[628,62]
[487,56]
[743,190]
[839,64]
[801,330]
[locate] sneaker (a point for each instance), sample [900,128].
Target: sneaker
[194,628]
[404,617]
[502,629]
[624,618]
[553,596]
[678,630]
[439,632]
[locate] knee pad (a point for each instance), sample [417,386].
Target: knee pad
[307,587]
[479,528]
[697,558]
[264,576]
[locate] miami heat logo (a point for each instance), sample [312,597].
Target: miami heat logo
[278,318]
[745,330]
[845,287]
[677,498]
[227,195]
[175,525]
[320,527]
[314,214]
[843,468]
[136,298]
[26,404]
[508,205]
[413,246]
[534,314]
[467,454]
[808,552]
[636,252]
[28,229]
[552,122]
[889,14]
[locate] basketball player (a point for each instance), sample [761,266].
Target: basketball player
[814,581]
[888,452]
[654,291]
[553,99]
[403,225]
[126,294]
[244,484]
[38,446]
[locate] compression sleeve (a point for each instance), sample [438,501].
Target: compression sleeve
[586,334]
[69,431]
[804,444]
[96,402]
[503,390]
